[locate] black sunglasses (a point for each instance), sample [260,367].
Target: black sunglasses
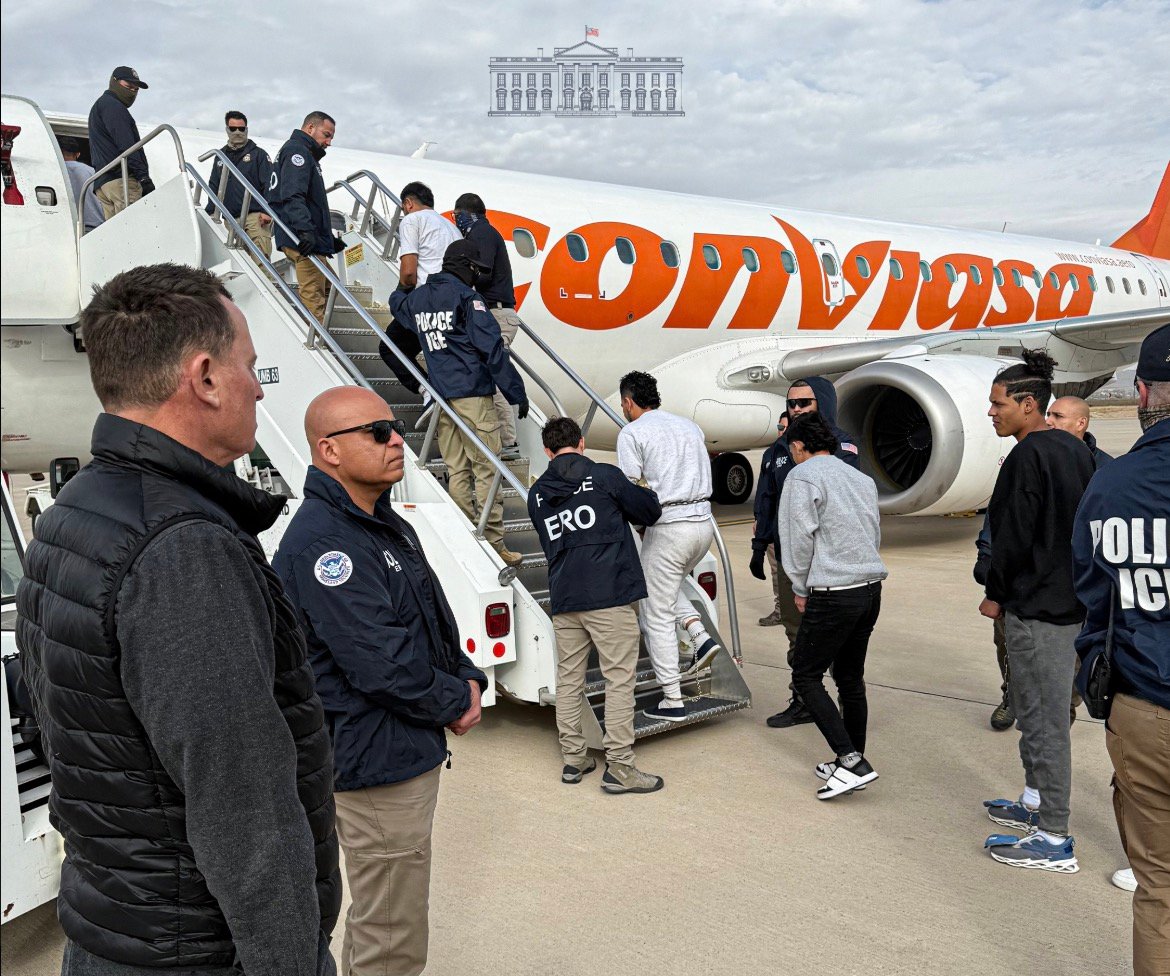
[801,402]
[382,430]
[237,128]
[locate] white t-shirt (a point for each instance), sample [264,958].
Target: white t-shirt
[428,234]
[668,452]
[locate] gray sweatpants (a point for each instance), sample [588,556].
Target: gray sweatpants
[1042,661]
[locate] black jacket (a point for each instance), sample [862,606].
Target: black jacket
[256,167]
[465,352]
[582,512]
[1031,517]
[1123,582]
[383,641]
[777,462]
[496,285]
[112,130]
[137,884]
[299,195]
[1099,456]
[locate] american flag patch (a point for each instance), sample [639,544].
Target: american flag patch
[851,448]
[479,306]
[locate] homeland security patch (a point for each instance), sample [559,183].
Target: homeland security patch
[297,159]
[333,568]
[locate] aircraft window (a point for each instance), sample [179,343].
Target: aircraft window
[924,269]
[625,250]
[1038,278]
[751,260]
[895,269]
[998,276]
[1075,282]
[1141,286]
[976,275]
[711,256]
[669,254]
[1054,281]
[1109,284]
[952,276]
[788,261]
[1125,286]
[578,250]
[862,266]
[1092,282]
[1017,278]
[829,263]
[525,243]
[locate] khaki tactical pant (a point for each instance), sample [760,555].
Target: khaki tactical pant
[261,236]
[466,463]
[784,600]
[313,285]
[385,832]
[113,200]
[509,323]
[614,632]
[1138,737]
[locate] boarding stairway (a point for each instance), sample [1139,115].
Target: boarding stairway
[299,358]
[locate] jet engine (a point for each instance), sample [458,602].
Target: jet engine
[923,430]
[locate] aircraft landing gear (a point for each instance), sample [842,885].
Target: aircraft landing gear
[732,478]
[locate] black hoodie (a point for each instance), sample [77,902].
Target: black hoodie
[582,512]
[778,462]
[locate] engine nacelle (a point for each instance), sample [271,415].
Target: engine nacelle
[923,431]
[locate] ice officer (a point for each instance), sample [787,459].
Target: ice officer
[112,130]
[256,167]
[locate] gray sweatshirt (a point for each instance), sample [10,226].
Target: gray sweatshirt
[827,526]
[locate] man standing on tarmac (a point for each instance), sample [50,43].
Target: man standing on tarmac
[390,671]
[668,453]
[1029,583]
[255,166]
[466,361]
[1122,577]
[112,130]
[1071,414]
[582,512]
[495,285]
[812,395]
[189,752]
[300,202]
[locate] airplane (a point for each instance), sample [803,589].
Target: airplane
[725,302]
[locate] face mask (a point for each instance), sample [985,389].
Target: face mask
[124,95]
[1148,416]
[237,139]
[464,221]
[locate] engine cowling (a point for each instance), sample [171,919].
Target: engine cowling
[923,431]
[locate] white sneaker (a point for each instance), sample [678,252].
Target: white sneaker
[1124,879]
[845,780]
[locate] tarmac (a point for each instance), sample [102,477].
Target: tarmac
[736,867]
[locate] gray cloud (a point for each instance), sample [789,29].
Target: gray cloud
[1042,113]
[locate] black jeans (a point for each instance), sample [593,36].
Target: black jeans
[834,633]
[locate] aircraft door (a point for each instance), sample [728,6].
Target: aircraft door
[831,276]
[1159,278]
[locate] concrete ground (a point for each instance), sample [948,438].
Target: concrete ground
[736,867]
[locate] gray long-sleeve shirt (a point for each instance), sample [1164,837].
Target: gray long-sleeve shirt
[828,526]
[195,627]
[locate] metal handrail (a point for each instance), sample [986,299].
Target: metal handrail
[539,381]
[315,329]
[123,160]
[376,185]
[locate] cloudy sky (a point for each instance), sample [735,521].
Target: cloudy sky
[1048,114]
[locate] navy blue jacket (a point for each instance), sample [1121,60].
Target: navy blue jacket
[466,356]
[496,286]
[299,195]
[112,130]
[778,462]
[382,638]
[582,513]
[1120,567]
[256,167]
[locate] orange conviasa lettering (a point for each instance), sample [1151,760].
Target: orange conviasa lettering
[934,298]
[704,289]
[899,295]
[1017,300]
[571,290]
[1048,304]
[506,223]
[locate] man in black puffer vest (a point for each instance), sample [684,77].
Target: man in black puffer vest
[192,770]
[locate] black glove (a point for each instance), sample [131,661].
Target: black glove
[147,185]
[339,245]
[522,409]
[757,564]
[306,244]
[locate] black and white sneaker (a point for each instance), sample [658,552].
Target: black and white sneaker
[825,770]
[845,780]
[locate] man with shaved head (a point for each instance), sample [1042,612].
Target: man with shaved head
[1071,414]
[390,671]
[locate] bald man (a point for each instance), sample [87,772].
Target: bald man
[387,656]
[1071,414]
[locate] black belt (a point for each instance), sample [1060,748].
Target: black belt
[499,305]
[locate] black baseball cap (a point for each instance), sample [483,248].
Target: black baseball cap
[124,73]
[1154,360]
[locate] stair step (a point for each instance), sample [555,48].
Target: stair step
[356,339]
[698,710]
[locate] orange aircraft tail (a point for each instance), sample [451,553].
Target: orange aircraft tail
[1151,234]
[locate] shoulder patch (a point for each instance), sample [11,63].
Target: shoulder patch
[478,305]
[297,159]
[333,568]
[851,448]
[247,157]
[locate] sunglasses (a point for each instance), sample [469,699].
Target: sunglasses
[237,128]
[801,402]
[382,430]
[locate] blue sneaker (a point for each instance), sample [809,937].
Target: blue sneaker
[1012,813]
[667,711]
[704,655]
[1033,851]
